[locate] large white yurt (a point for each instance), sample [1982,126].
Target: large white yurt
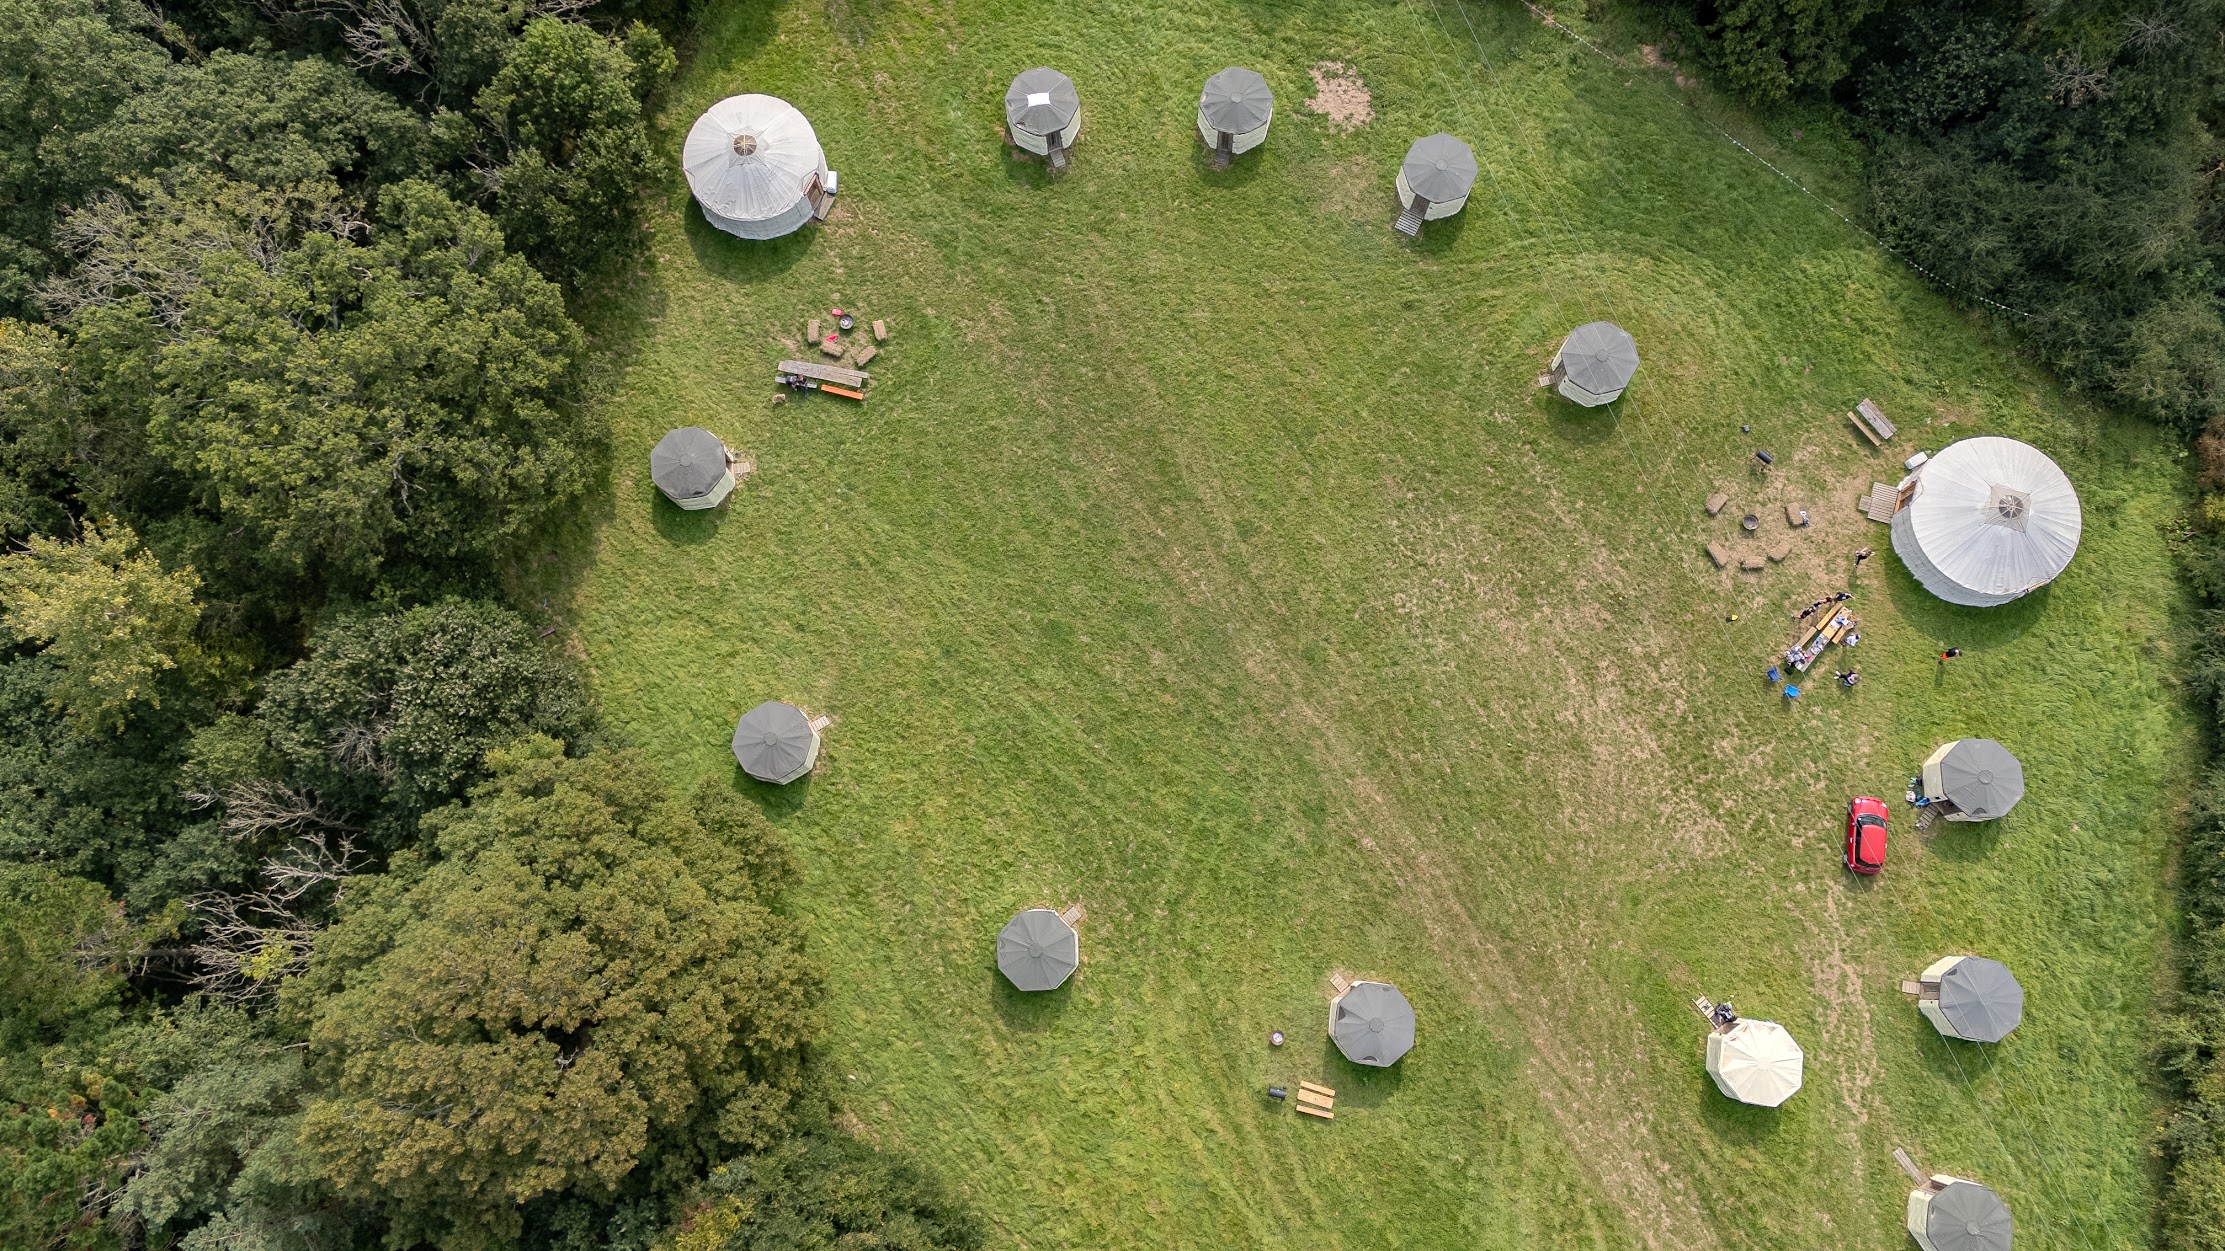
[1434,180]
[1043,113]
[1985,521]
[756,167]
[1233,111]
[1755,1062]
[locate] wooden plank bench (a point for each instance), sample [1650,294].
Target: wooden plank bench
[1306,1097]
[1317,1088]
[845,392]
[827,373]
[1715,503]
[1716,553]
[880,331]
[1753,564]
[1323,1113]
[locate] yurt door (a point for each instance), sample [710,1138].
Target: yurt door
[815,190]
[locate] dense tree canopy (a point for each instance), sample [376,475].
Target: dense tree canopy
[586,977]
[108,615]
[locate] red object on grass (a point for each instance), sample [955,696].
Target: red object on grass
[1865,835]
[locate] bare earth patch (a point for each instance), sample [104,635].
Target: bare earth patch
[1340,96]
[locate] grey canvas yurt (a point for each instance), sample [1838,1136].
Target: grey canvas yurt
[755,166]
[1971,998]
[691,466]
[1233,112]
[1434,181]
[1043,112]
[1956,1214]
[1372,1024]
[1985,521]
[1973,779]
[775,742]
[1038,950]
[1595,363]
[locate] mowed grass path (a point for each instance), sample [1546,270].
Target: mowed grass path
[1206,557]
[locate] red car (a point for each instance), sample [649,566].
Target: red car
[1865,835]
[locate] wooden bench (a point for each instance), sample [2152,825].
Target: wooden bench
[844,392]
[1753,564]
[1323,1113]
[1716,553]
[827,373]
[1715,503]
[1317,1088]
[1870,420]
[1317,1100]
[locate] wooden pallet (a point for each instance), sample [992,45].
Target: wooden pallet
[1882,502]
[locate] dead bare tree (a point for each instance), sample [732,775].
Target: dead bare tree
[253,941]
[259,808]
[398,36]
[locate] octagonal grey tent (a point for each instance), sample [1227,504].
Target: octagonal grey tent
[1038,950]
[1595,363]
[1976,778]
[1956,1214]
[1233,111]
[775,742]
[1043,112]
[1372,1024]
[1986,520]
[1971,998]
[1434,180]
[691,467]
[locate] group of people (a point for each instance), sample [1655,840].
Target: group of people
[1797,660]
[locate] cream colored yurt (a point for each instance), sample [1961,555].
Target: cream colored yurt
[1434,181]
[1233,111]
[1985,521]
[755,166]
[775,742]
[1971,998]
[1043,113]
[692,467]
[1755,1062]
[1595,363]
[1973,779]
[1956,1214]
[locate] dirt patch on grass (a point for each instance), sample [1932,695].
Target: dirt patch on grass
[1341,96]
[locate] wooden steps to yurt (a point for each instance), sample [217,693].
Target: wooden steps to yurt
[1882,502]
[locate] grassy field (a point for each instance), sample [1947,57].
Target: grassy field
[1207,557]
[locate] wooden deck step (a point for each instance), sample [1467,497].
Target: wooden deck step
[1882,502]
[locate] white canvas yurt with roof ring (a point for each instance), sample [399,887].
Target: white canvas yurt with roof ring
[1043,112]
[755,166]
[1985,521]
